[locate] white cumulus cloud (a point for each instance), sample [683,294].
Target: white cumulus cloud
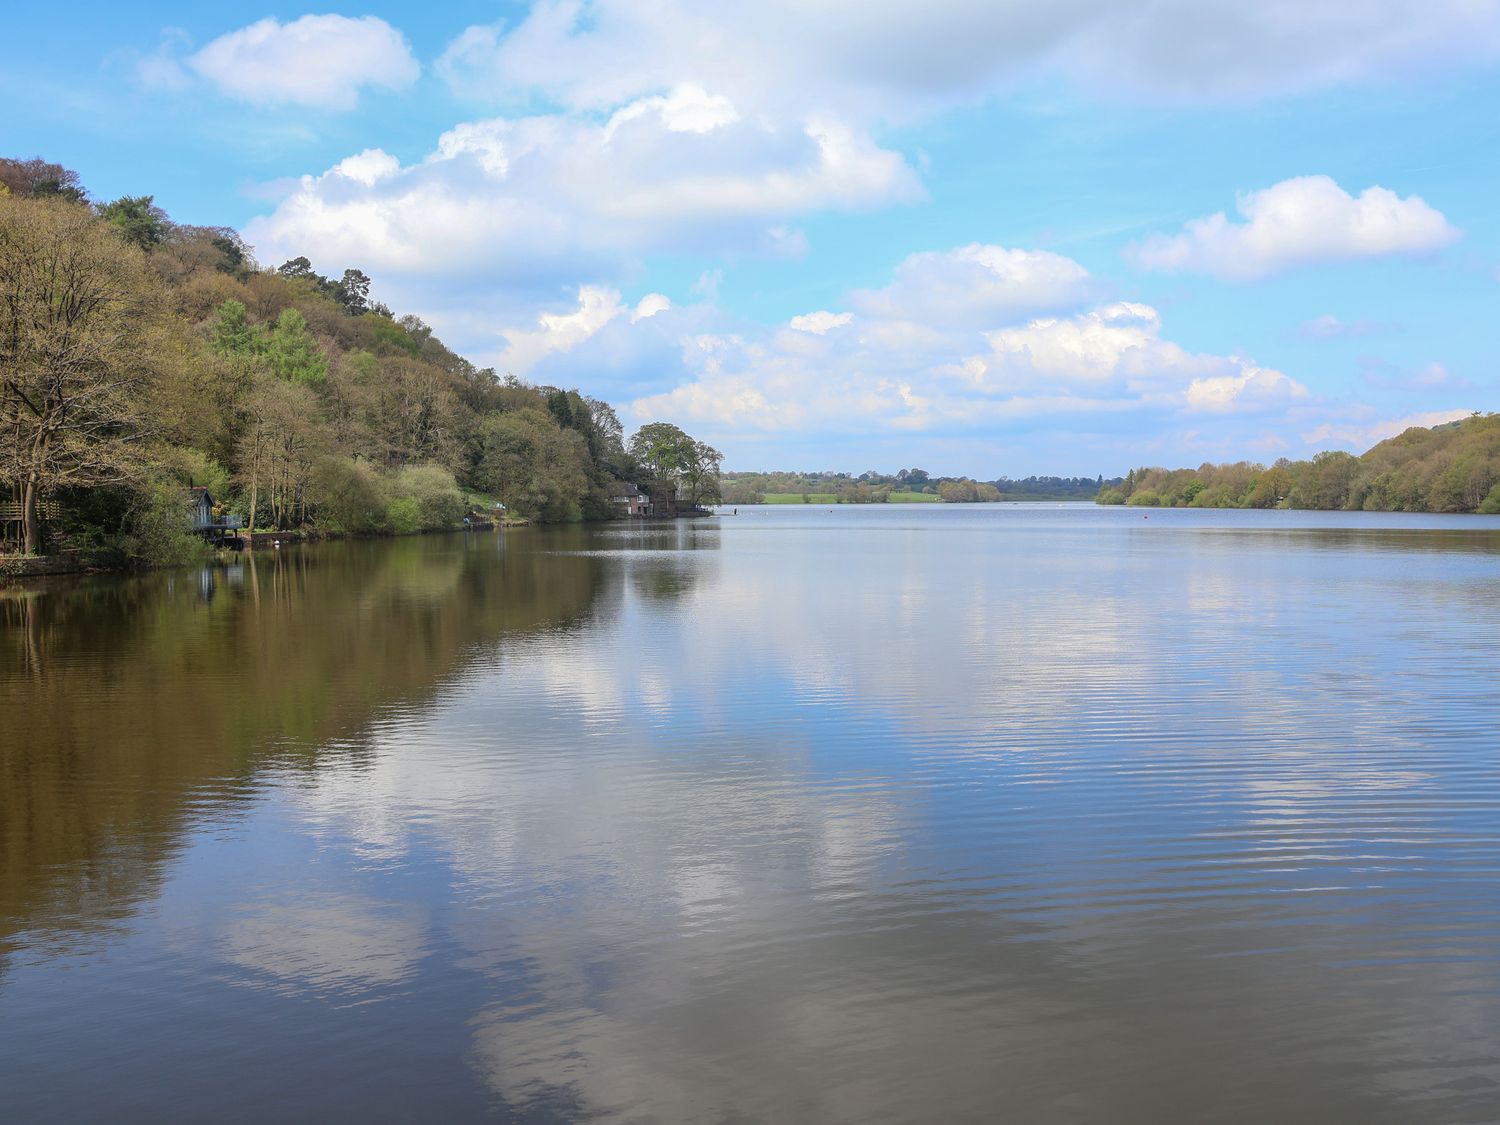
[894,366]
[891,57]
[528,202]
[978,286]
[1302,221]
[1249,387]
[889,367]
[1117,351]
[687,109]
[368,167]
[319,62]
[561,332]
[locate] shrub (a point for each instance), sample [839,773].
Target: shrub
[349,495]
[404,516]
[434,492]
[158,532]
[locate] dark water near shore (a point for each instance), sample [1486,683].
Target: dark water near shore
[1032,813]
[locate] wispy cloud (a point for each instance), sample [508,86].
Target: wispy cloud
[316,62]
[1330,327]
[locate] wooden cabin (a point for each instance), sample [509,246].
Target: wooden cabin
[206,519]
[13,522]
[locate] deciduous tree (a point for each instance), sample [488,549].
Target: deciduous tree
[139,221]
[38,179]
[82,343]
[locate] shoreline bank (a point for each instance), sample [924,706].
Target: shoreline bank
[17,568]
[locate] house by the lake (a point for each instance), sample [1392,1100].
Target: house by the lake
[207,520]
[661,503]
[630,500]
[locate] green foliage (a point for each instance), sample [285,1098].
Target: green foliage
[159,532]
[362,365]
[353,292]
[232,333]
[389,338]
[1450,468]
[1491,504]
[94,520]
[670,459]
[434,494]
[293,353]
[404,515]
[139,221]
[188,466]
[233,253]
[660,449]
[906,486]
[296,269]
[735,491]
[292,398]
[598,426]
[537,469]
[791,498]
[964,491]
[348,496]
[560,406]
[84,345]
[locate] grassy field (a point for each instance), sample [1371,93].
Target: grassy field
[915,498]
[830,498]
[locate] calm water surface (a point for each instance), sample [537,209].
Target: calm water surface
[1030,814]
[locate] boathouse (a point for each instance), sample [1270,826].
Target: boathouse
[630,500]
[207,520]
[663,502]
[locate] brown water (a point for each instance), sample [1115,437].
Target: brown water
[1029,813]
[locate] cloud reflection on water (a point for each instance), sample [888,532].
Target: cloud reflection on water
[966,806]
[324,943]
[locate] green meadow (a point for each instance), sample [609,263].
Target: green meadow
[832,498]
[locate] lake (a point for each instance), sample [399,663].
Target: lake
[1023,813]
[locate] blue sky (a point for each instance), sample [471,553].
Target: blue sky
[980,237]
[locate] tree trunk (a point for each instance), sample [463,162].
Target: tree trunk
[254,496]
[32,626]
[30,522]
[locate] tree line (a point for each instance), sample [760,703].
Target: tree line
[879,488]
[1449,468]
[139,356]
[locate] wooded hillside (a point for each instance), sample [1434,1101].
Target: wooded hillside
[1449,468]
[139,355]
